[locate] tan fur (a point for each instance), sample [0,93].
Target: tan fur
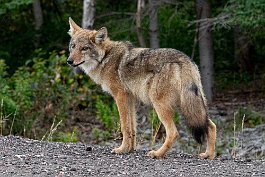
[163,78]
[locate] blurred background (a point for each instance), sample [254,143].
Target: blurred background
[41,97]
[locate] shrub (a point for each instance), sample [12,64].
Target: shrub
[251,117]
[156,124]
[100,135]
[8,106]
[40,91]
[107,112]
[44,91]
[68,136]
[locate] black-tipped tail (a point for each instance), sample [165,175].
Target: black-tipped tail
[199,132]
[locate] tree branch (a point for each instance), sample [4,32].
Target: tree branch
[115,13]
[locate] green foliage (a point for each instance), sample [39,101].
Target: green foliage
[22,89]
[4,88]
[107,112]
[154,119]
[251,117]
[247,13]
[3,68]
[249,16]
[9,105]
[68,136]
[39,91]
[121,25]
[177,118]
[100,135]
[175,30]
[233,80]
[18,25]
[156,124]
[12,4]
[43,89]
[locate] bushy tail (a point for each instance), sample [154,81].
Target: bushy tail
[194,109]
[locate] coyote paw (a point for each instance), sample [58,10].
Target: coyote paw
[154,154]
[121,150]
[206,155]
[118,150]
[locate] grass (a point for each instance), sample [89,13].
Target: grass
[252,118]
[100,135]
[12,124]
[51,131]
[236,140]
[68,136]
[233,139]
[107,113]
[155,126]
[4,118]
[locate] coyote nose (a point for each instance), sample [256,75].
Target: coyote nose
[70,61]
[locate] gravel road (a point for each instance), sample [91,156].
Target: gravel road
[26,157]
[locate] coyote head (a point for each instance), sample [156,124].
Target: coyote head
[86,46]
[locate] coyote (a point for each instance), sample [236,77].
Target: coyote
[164,78]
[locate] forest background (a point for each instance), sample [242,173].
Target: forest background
[41,97]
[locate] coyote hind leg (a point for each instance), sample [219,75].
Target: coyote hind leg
[211,139]
[166,117]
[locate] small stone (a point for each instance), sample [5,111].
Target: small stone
[248,160]
[73,169]
[89,148]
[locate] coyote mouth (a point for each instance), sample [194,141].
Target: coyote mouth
[75,65]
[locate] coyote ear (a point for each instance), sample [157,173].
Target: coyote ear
[73,27]
[101,35]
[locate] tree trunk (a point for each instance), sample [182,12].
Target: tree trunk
[205,48]
[153,27]
[38,16]
[88,14]
[140,6]
[242,50]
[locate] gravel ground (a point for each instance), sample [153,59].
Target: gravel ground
[26,157]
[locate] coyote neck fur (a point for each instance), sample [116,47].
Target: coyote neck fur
[100,71]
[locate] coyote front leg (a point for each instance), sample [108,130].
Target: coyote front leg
[126,107]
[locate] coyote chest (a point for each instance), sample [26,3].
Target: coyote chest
[95,75]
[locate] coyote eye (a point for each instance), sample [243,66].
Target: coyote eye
[85,48]
[72,46]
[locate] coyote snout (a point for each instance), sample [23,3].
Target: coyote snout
[70,61]
[165,79]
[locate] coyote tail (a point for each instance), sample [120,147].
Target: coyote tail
[194,109]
